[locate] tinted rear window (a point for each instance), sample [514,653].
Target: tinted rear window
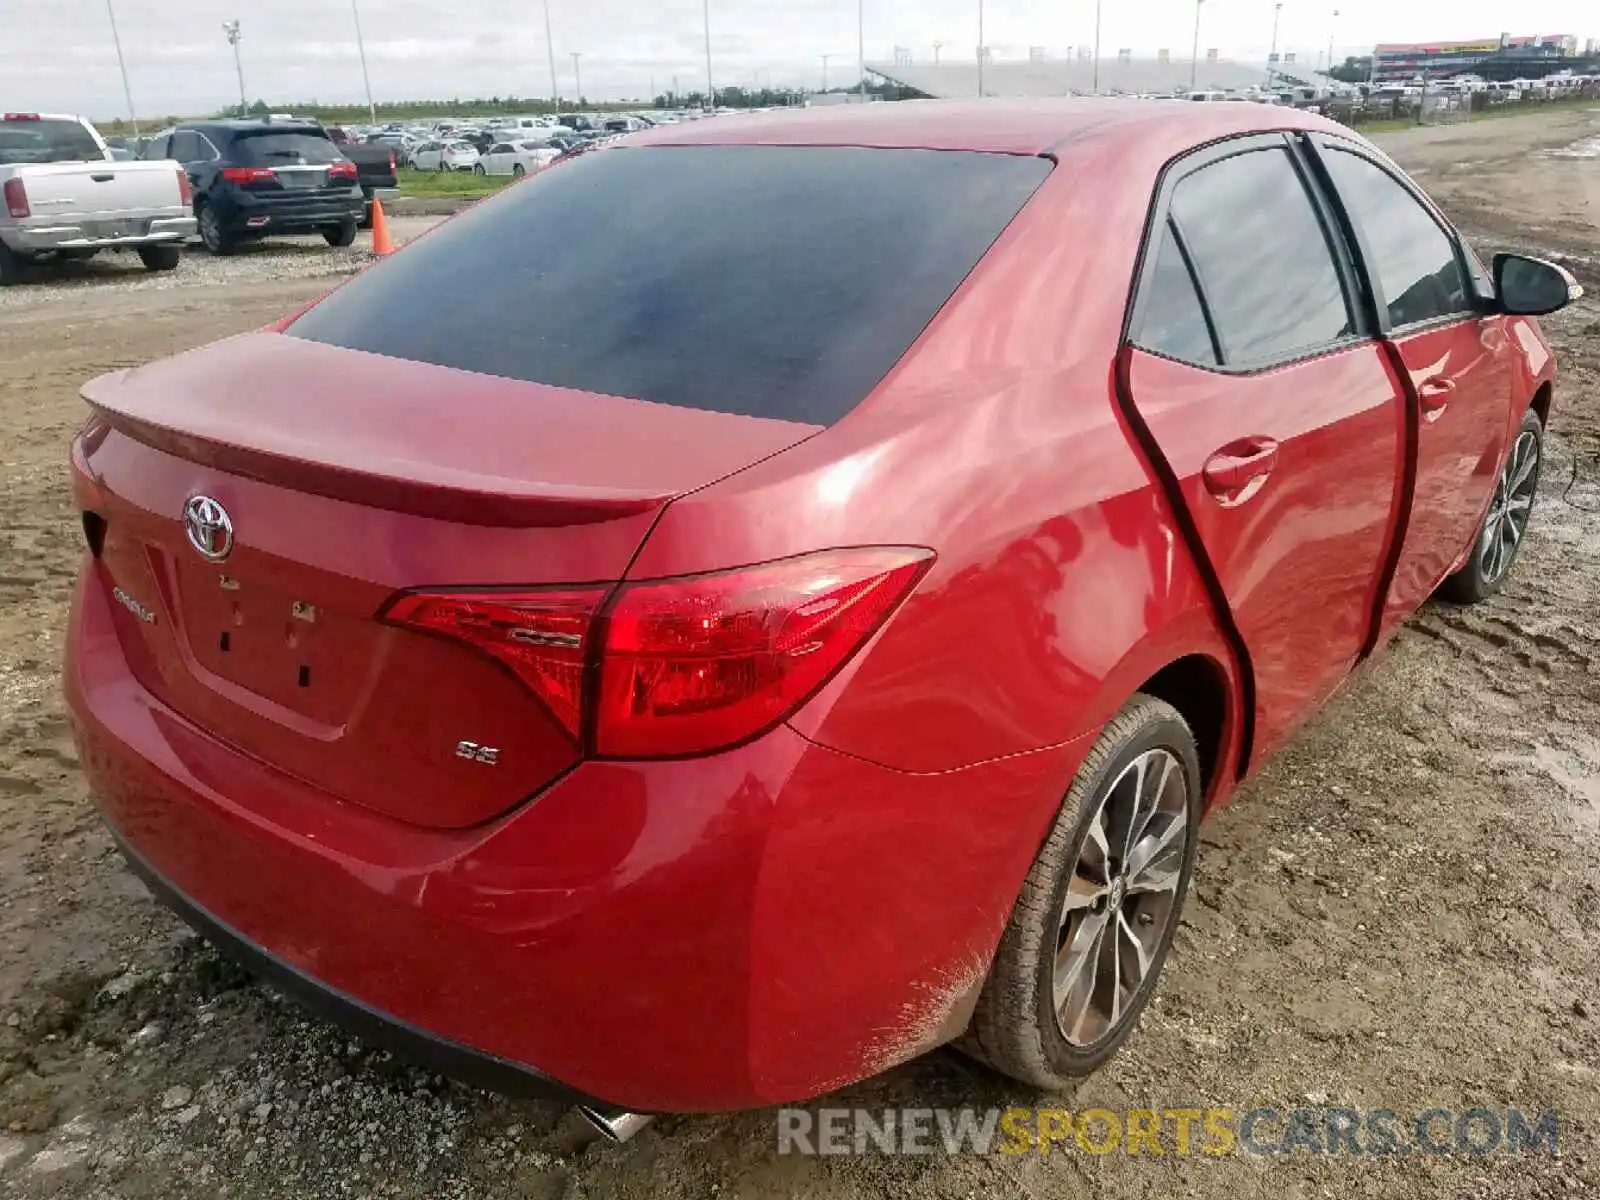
[770,281]
[23,142]
[276,149]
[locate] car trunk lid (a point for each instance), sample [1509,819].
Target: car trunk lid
[347,478]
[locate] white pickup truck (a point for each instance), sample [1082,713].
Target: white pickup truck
[62,195]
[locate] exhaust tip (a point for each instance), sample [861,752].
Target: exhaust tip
[615,1127]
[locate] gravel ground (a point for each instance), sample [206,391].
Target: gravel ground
[272,260]
[1401,910]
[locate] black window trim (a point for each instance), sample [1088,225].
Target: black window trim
[1160,214]
[1316,146]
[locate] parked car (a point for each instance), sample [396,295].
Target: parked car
[823,639]
[67,197]
[375,168]
[444,156]
[400,143]
[254,178]
[517,159]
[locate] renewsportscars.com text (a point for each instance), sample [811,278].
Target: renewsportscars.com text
[1214,1132]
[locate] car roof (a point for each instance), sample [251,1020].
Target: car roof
[237,126]
[996,126]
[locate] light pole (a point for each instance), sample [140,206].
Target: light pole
[550,47]
[361,45]
[980,49]
[578,72]
[1096,47]
[825,59]
[123,67]
[937,46]
[711,88]
[1272,55]
[1331,31]
[231,28]
[861,45]
[1194,58]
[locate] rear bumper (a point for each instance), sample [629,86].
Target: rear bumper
[417,1045]
[109,233]
[285,214]
[750,928]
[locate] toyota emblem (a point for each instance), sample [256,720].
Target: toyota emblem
[210,531]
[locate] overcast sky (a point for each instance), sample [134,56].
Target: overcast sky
[58,54]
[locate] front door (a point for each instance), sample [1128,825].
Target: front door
[1274,410]
[1456,359]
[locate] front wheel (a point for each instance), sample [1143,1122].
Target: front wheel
[342,234]
[479,169]
[1499,538]
[518,170]
[1089,933]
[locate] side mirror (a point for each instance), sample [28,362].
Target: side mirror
[1532,287]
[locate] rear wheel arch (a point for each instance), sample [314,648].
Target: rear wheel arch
[1541,402]
[1198,687]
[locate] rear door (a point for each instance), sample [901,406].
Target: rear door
[1457,363]
[1270,405]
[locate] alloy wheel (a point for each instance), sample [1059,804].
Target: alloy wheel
[1121,898]
[1511,507]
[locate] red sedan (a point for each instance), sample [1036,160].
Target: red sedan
[762,600]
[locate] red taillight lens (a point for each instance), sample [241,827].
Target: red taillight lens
[342,170]
[248,174]
[685,666]
[541,636]
[185,192]
[392,162]
[701,663]
[17,199]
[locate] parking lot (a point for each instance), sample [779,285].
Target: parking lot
[1401,911]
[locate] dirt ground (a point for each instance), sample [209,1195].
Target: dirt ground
[1401,911]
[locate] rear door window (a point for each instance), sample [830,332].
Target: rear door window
[275,148]
[1262,258]
[1174,322]
[765,280]
[186,146]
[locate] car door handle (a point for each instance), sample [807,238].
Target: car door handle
[1434,394]
[1236,472]
[102,178]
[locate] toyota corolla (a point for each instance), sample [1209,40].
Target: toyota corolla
[764,599]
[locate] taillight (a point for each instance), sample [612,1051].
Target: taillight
[540,636]
[342,170]
[392,162]
[248,174]
[17,199]
[701,663]
[185,192]
[682,666]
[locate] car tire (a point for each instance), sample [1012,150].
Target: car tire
[518,170]
[161,258]
[214,235]
[479,169]
[1499,538]
[342,234]
[443,166]
[1049,1033]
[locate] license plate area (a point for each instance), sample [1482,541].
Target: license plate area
[299,180]
[276,644]
[117,228]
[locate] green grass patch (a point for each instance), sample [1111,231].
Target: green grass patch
[445,184]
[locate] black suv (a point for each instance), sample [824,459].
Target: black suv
[254,178]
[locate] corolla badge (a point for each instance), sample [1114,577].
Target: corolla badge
[209,527]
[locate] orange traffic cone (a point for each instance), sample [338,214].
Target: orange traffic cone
[381,242]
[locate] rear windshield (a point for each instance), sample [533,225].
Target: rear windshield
[276,148]
[23,142]
[770,281]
